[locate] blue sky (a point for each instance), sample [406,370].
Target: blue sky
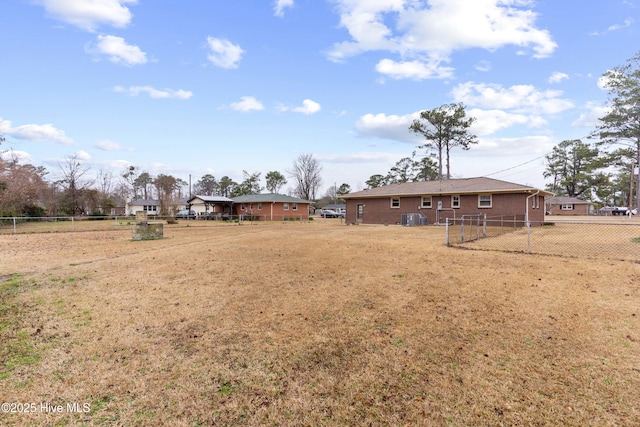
[196,87]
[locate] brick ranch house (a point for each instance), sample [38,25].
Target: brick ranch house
[272,207]
[439,200]
[567,206]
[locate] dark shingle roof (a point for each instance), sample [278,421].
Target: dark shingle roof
[565,200]
[268,198]
[449,186]
[142,202]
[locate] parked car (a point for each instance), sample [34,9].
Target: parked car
[619,211]
[328,213]
[186,214]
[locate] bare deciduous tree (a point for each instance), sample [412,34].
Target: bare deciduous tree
[306,174]
[73,169]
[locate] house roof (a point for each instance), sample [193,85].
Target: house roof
[142,202]
[449,186]
[268,198]
[211,199]
[565,200]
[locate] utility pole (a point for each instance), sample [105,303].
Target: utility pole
[635,169]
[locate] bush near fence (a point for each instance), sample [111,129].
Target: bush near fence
[596,240]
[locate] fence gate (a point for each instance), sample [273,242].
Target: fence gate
[473,227]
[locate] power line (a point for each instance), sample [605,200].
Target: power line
[517,166]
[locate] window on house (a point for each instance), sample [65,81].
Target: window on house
[259,206]
[484,201]
[395,202]
[294,206]
[455,201]
[285,206]
[567,207]
[243,207]
[426,202]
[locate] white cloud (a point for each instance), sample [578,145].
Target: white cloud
[429,32]
[89,14]
[489,122]
[627,23]
[615,27]
[417,69]
[391,127]
[606,79]
[396,128]
[246,104]
[20,156]
[154,93]
[557,77]
[308,107]
[281,5]
[527,145]
[33,132]
[520,98]
[590,118]
[361,157]
[223,53]
[106,145]
[82,155]
[117,50]
[483,66]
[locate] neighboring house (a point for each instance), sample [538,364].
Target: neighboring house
[210,205]
[118,210]
[563,205]
[272,207]
[439,200]
[151,207]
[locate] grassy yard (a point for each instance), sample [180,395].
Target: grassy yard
[310,324]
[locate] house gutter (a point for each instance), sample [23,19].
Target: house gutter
[526,215]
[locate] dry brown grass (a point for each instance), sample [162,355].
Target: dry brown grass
[314,324]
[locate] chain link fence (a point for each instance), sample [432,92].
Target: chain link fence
[65,224]
[611,239]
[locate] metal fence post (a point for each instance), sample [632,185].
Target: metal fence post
[528,236]
[15,230]
[484,226]
[446,232]
[462,228]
